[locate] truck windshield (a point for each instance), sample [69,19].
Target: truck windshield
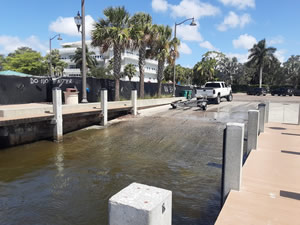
[215,85]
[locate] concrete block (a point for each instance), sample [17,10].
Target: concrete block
[104,107]
[267,111]
[261,108]
[253,125]
[134,102]
[140,204]
[58,119]
[232,158]
[299,115]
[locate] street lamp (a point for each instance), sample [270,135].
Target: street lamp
[50,56]
[174,72]
[80,22]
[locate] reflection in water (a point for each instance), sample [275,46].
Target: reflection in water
[71,182]
[59,162]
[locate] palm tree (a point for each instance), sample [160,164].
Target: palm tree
[259,55]
[129,71]
[163,49]
[60,67]
[113,32]
[91,62]
[140,32]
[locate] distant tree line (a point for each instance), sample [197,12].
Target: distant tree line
[26,60]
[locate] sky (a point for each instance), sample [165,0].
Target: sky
[229,26]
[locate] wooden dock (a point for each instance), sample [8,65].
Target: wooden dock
[270,191]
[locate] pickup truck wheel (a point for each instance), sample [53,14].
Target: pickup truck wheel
[229,97]
[218,99]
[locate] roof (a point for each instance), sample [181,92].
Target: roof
[14,73]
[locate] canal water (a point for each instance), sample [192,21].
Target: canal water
[71,182]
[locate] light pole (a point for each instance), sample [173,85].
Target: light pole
[80,22]
[50,56]
[174,72]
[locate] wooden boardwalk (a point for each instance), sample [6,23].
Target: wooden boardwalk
[270,191]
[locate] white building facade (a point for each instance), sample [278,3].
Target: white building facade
[68,50]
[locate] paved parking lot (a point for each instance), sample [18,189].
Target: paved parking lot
[268,97]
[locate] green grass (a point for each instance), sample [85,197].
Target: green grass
[155,97]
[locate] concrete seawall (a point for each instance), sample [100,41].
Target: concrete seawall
[22,124]
[21,131]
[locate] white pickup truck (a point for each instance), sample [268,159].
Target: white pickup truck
[214,91]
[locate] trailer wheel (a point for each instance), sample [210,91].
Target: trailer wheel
[229,97]
[218,99]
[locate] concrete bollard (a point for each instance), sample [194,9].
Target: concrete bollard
[104,107]
[58,119]
[232,158]
[299,115]
[140,204]
[261,108]
[253,125]
[267,111]
[134,102]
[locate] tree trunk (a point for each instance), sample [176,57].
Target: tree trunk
[142,60]
[159,88]
[117,88]
[160,73]
[260,75]
[117,70]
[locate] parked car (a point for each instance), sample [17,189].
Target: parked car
[282,91]
[214,91]
[257,91]
[297,92]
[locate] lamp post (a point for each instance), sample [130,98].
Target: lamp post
[174,72]
[80,22]
[50,56]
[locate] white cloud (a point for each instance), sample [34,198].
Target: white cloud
[66,25]
[280,55]
[193,8]
[244,41]
[9,44]
[276,40]
[159,5]
[232,20]
[240,4]
[188,33]
[242,58]
[185,49]
[207,45]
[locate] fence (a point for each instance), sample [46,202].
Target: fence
[20,90]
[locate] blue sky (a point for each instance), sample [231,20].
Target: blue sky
[229,26]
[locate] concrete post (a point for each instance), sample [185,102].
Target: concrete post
[299,115]
[58,119]
[253,125]
[267,111]
[232,158]
[134,102]
[140,204]
[261,108]
[104,106]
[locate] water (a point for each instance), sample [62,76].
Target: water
[71,182]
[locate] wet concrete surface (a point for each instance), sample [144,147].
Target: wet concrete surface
[71,182]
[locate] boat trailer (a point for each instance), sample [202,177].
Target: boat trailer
[200,102]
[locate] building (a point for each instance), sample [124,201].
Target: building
[129,56]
